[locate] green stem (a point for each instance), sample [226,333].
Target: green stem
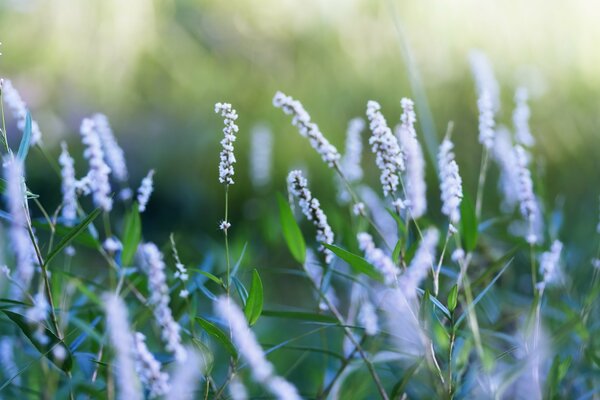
[227,239]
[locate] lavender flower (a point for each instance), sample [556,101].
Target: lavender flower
[486,120]
[148,368]
[21,242]
[18,109]
[367,317]
[227,157]
[504,155]
[421,263]
[521,116]
[159,298]
[246,343]
[69,186]
[450,182]
[261,156]
[237,390]
[389,156]
[308,129]
[378,258]
[528,203]
[485,81]
[144,191]
[113,154]
[297,186]
[112,245]
[350,163]
[186,377]
[122,341]
[97,177]
[415,185]
[549,265]
[181,272]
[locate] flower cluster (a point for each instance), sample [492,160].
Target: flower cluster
[181,272]
[485,81]
[378,258]
[113,154]
[527,200]
[486,120]
[504,155]
[18,109]
[297,186]
[97,177]
[350,163]
[521,118]
[145,190]
[549,264]
[308,129]
[227,157]
[367,317]
[159,299]
[249,348]
[68,186]
[388,155]
[416,188]
[450,181]
[148,368]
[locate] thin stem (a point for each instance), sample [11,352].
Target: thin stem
[4,135]
[227,238]
[481,182]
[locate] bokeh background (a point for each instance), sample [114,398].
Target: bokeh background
[156,68]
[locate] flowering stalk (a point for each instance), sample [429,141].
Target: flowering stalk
[145,190]
[148,368]
[98,174]
[378,258]
[19,110]
[450,182]
[69,186]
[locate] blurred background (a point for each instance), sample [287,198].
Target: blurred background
[156,68]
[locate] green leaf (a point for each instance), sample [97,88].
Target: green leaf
[210,276]
[241,289]
[132,234]
[24,146]
[397,252]
[214,331]
[84,238]
[358,264]
[291,232]
[399,222]
[453,298]
[468,224]
[46,349]
[72,234]
[300,315]
[254,304]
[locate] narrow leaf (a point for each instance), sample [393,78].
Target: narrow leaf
[468,223]
[132,234]
[254,304]
[217,333]
[300,315]
[453,298]
[291,232]
[24,146]
[358,264]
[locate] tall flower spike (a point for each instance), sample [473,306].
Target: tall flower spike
[18,109]
[504,155]
[450,182]
[520,117]
[486,120]
[148,368]
[68,186]
[97,177]
[416,188]
[420,265]
[21,242]
[350,163]
[154,266]
[388,155]
[261,156]
[249,348]
[311,208]
[113,153]
[378,258]
[227,157]
[485,81]
[527,200]
[145,190]
[120,336]
[308,129]
[549,264]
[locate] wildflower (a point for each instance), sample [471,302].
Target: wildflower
[69,185]
[37,315]
[485,81]
[113,153]
[450,182]
[97,177]
[112,245]
[452,229]
[159,298]
[486,120]
[377,257]
[122,341]
[521,118]
[18,109]
[368,318]
[297,186]
[389,157]
[359,209]
[21,242]
[549,264]
[400,204]
[307,129]
[181,272]
[458,256]
[224,225]
[227,157]
[420,264]
[504,155]
[246,343]
[148,368]
[237,390]
[350,163]
[186,377]
[261,157]
[416,187]
[144,191]
[527,200]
